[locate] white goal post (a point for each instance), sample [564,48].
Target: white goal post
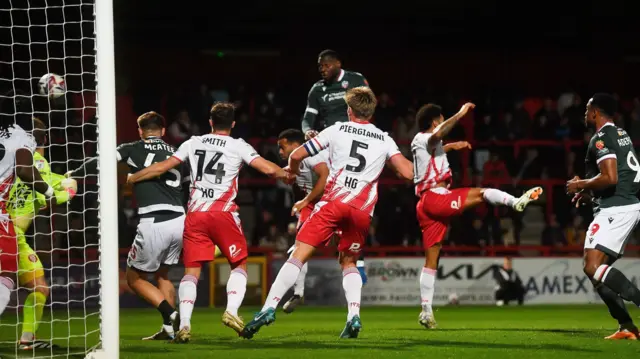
[77,242]
[108,181]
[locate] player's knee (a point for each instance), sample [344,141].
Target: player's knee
[597,272]
[590,268]
[240,264]
[44,289]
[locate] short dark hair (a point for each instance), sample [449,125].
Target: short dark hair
[39,131]
[606,103]
[292,135]
[426,114]
[328,53]
[151,121]
[222,115]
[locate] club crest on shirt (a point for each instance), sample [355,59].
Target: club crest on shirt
[599,145]
[345,84]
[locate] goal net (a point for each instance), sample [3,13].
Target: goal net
[78,297]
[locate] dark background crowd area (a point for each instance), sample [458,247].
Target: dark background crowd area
[541,128]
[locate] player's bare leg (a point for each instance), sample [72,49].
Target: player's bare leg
[352,285]
[187,293]
[32,314]
[283,282]
[169,292]
[138,282]
[613,287]
[427,286]
[236,289]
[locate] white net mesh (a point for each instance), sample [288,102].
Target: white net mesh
[39,37]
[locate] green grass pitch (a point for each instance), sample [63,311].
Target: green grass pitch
[311,332]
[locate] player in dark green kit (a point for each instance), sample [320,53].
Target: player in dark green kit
[326,106]
[161,207]
[613,173]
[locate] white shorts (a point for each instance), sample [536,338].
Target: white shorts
[156,244]
[609,232]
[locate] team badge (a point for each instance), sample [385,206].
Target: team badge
[621,132]
[33,258]
[345,84]
[599,145]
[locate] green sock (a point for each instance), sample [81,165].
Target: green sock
[32,314]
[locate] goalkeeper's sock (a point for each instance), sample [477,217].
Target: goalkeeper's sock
[497,197]
[427,286]
[284,281]
[614,279]
[167,311]
[236,288]
[6,285]
[298,287]
[32,314]
[187,293]
[352,285]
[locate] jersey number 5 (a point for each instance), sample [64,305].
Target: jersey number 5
[362,161]
[218,172]
[632,162]
[149,160]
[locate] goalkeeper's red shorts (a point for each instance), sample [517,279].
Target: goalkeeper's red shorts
[205,230]
[8,247]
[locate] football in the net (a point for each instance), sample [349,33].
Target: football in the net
[52,85]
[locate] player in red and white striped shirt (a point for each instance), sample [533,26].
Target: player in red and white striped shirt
[358,152]
[212,219]
[437,202]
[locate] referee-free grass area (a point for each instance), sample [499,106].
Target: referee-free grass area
[312,332]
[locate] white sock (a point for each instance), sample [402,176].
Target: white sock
[187,293]
[497,197]
[6,286]
[427,286]
[352,285]
[236,288]
[298,287]
[284,281]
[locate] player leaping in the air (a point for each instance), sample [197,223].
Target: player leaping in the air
[358,152]
[613,180]
[212,219]
[16,160]
[326,105]
[437,202]
[309,187]
[22,207]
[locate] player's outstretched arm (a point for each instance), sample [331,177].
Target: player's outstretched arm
[402,166]
[443,130]
[269,168]
[456,146]
[154,170]
[607,177]
[322,171]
